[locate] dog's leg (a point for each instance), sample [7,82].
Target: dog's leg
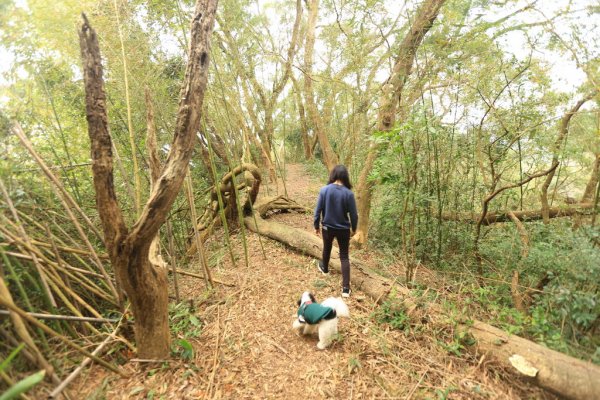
[327,329]
[298,327]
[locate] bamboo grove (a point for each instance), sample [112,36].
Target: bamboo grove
[472,155]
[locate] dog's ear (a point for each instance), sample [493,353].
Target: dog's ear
[312,298]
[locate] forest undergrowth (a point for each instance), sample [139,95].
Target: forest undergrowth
[556,264]
[235,341]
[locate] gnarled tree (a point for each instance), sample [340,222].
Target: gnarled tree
[390,99]
[330,158]
[128,249]
[562,134]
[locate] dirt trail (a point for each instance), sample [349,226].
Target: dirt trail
[247,349]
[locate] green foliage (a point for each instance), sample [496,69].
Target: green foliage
[460,341]
[566,314]
[184,325]
[5,363]
[187,350]
[443,394]
[314,167]
[439,157]
[354,364]
[393,313]
[183,320]
[24,384]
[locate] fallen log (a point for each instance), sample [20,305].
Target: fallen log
[566,376]
[310,244]
[525,215]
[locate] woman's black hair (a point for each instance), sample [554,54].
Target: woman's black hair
[339,172]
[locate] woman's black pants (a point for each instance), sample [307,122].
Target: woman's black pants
[343,240]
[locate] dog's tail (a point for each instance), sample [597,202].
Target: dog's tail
[341,309]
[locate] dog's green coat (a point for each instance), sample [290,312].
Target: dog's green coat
[312,313]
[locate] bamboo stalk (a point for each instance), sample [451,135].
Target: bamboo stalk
[85,362]
[64,195]
[213,169]
[235,189]
[33,250]
[69,250]
[33,284]
[26,238]
[136,174]
[90,286]
[58,336]
[173,258]
[67,266]
[75,251]
[21,328]
[57,285]
[61,264]
[82,280]
[65,317]
[199,244]
[54,167]
[182,272]
[68,203]
[15,278]
[69,177]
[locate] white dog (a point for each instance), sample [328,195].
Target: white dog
[323,318]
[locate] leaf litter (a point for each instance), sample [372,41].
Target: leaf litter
[247,350]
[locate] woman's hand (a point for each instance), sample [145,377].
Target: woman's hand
[317,231]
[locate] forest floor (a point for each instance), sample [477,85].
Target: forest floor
[247,349]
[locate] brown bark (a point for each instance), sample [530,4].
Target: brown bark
[390,98]
[268,102]
[590,188]
[330,158]
[155,164]
[525,215]
[274,204]
[562,134]
[566,376]
[516,294]
[310,244]
[303,124]
[145,285]
[210,218]
[514,287]
[522,234]
[486,203]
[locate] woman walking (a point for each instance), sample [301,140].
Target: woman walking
[336,212]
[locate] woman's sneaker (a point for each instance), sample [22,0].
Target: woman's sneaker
[346,292]
[322,268]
